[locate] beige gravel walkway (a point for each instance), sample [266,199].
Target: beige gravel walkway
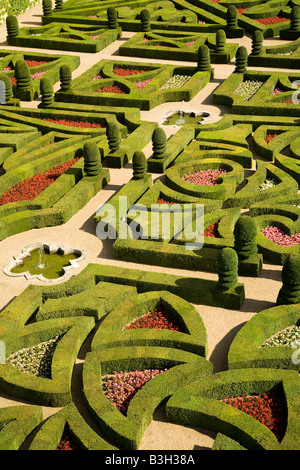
[222,325]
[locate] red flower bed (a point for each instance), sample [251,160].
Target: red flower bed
[274,20]
[155,319]
[212,230]
[241,10]
[121,72]
[82,124]
[66,444]
[268,408]
[164,201]
[270,137]
[204,177]
[33,63]
[30,188]
[111,89]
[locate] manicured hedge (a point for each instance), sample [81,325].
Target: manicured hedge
[16,423]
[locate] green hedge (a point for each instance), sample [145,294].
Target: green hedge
[16,423]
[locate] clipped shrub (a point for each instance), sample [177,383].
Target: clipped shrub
[5,89]
[47,7]
[113,136]
[65,74]
[92,159]
[290,290]
[257,42]
[22,74]
[145,20]
[245,232]
[203,58]
[295,18]
[139,163]
[12,26]
[46,87]
[220,41]
[112,18]
[59,5]
[227,268]
[159,143]
[241,60]
[232,13]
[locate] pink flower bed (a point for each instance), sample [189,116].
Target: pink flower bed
[204,177]
[155,319]
[82,124]
[142,83]
[121,387]
[111,89]
[276,91]
[98,77]
[276,235]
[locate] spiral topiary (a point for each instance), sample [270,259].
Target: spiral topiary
[113,136]
[46,87]
[220,41]
[65,74]
[92,159]
[59,5]
[159,143]
[139,164]
[241,60]
[12,26]
[290,275]
[22,75]
[112,18]
[245,232]
[232,13]
[47,7]
[5,89]
[145,20]
[295,18]
[227,262]
[257,42]
[203,58]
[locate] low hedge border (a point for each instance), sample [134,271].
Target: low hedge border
[283,56]
[126,432]
[192,336]
[256,331]
[285,135]
[198,404]
[16,423]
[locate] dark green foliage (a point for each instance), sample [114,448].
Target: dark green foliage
[203,58]
[245,232]
[290,290]
[241,60]
[257,42]
[113,136]
[220,41]
[145,20]
[232,13]
[159,143]
[5,89]
[46,92]
[295,18]
[112,18]
[12,26]
[139,163]
[22,74]
[47,7]
[65,77]
[92,159]
[59,5]
[228,268]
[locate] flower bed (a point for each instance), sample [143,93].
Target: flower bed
[34,63]
[212,230]
[155,319]
[28,189]
[66,444]
[98,77]
[268,408]
[248,89]
[270,137]
[124,72]
[276,235]
[177,81]
[204,178]
[268,183]
[82,124]
[111,89]
[142,83]
[121,387]
[164,201]
[276,91]
[287,337]
[274,20]
[36,360]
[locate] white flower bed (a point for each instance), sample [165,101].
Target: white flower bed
[268,183]
[286,337]
[248,88]
[177,81]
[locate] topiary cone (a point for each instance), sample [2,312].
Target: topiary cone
[220,41]
[92,159]
[46,87]
[241,60]
[295,18]
[159,143]
[5,89]
[139,163]
[59,5]
[290,275]
[245,232]
[112,17]
[65,74]
[227,262]
[257,42]
[232,21]
[113,136]
[203,58]
[22,75]
[12,26]
[145,20]
[47,7]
